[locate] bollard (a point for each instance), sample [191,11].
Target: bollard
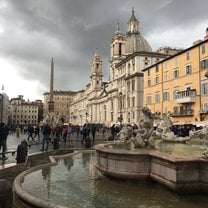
[6,194]
[88,142]
[56,143]
[22,151]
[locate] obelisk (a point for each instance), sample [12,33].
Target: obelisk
[51,100]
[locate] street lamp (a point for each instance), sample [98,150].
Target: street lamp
[120,99]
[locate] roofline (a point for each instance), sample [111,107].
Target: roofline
[185,50]
[141,53]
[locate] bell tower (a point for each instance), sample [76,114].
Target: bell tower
[96,71]
[117,50]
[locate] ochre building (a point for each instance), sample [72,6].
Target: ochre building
[178,85]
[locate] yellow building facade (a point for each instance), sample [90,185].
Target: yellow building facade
[178,85]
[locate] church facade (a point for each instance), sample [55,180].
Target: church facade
[120,99]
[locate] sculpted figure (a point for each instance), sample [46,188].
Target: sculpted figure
[200,134]
[144,136]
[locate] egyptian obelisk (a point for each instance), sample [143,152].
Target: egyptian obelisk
[51,99]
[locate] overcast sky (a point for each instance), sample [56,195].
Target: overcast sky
[34,31]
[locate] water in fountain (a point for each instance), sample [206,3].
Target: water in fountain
[76,183]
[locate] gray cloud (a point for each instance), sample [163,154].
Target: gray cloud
[70,30]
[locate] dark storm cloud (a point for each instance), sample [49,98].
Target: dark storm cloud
[71,30]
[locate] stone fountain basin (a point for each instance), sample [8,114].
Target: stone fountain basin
[181,174]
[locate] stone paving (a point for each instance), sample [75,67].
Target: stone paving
[35,146]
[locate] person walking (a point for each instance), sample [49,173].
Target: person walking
[37,132]
[46,136]
[64,133]
[7,131]
[30,133]
[18,132]
[113,131]
[85,132]
[3,140]
[93,131]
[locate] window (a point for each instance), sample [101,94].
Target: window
[133,66]
[188,69]
[176,60]
[133,85]
[128,101]
[146,61]
[128,86]
[156,80]
[175,93]
[148,100]
[175,74]
[165,76]
[166,65]
[133,101]
[156,69]
[148,83]
[165,95]
[175,110]
[148,72]
[203,49]
[204,88]
[111,116]
[119,49]
[188,56]
[204,64]
[157,97]
[111,105]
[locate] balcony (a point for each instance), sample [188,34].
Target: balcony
[183,113]
[187,96]
[203,110]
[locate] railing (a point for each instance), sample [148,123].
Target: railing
[183,113]
[187,96]
[203,110]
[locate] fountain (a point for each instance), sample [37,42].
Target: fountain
[138,157]
[78,179]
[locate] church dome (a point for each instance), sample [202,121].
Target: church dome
[135,42]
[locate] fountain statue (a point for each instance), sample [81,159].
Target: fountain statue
[146,136]
[51,118]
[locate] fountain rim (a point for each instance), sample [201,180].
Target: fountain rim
[145,151]
[30,198]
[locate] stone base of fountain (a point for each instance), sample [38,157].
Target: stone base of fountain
[183,175]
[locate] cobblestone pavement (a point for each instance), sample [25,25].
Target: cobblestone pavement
[35,146]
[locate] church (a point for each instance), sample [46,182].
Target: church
[120,99]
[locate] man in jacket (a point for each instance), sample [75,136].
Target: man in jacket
[46,136]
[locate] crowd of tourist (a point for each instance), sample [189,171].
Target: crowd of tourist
[86,133]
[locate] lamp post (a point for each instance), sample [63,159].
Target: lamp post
[86,115]
[121,117]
